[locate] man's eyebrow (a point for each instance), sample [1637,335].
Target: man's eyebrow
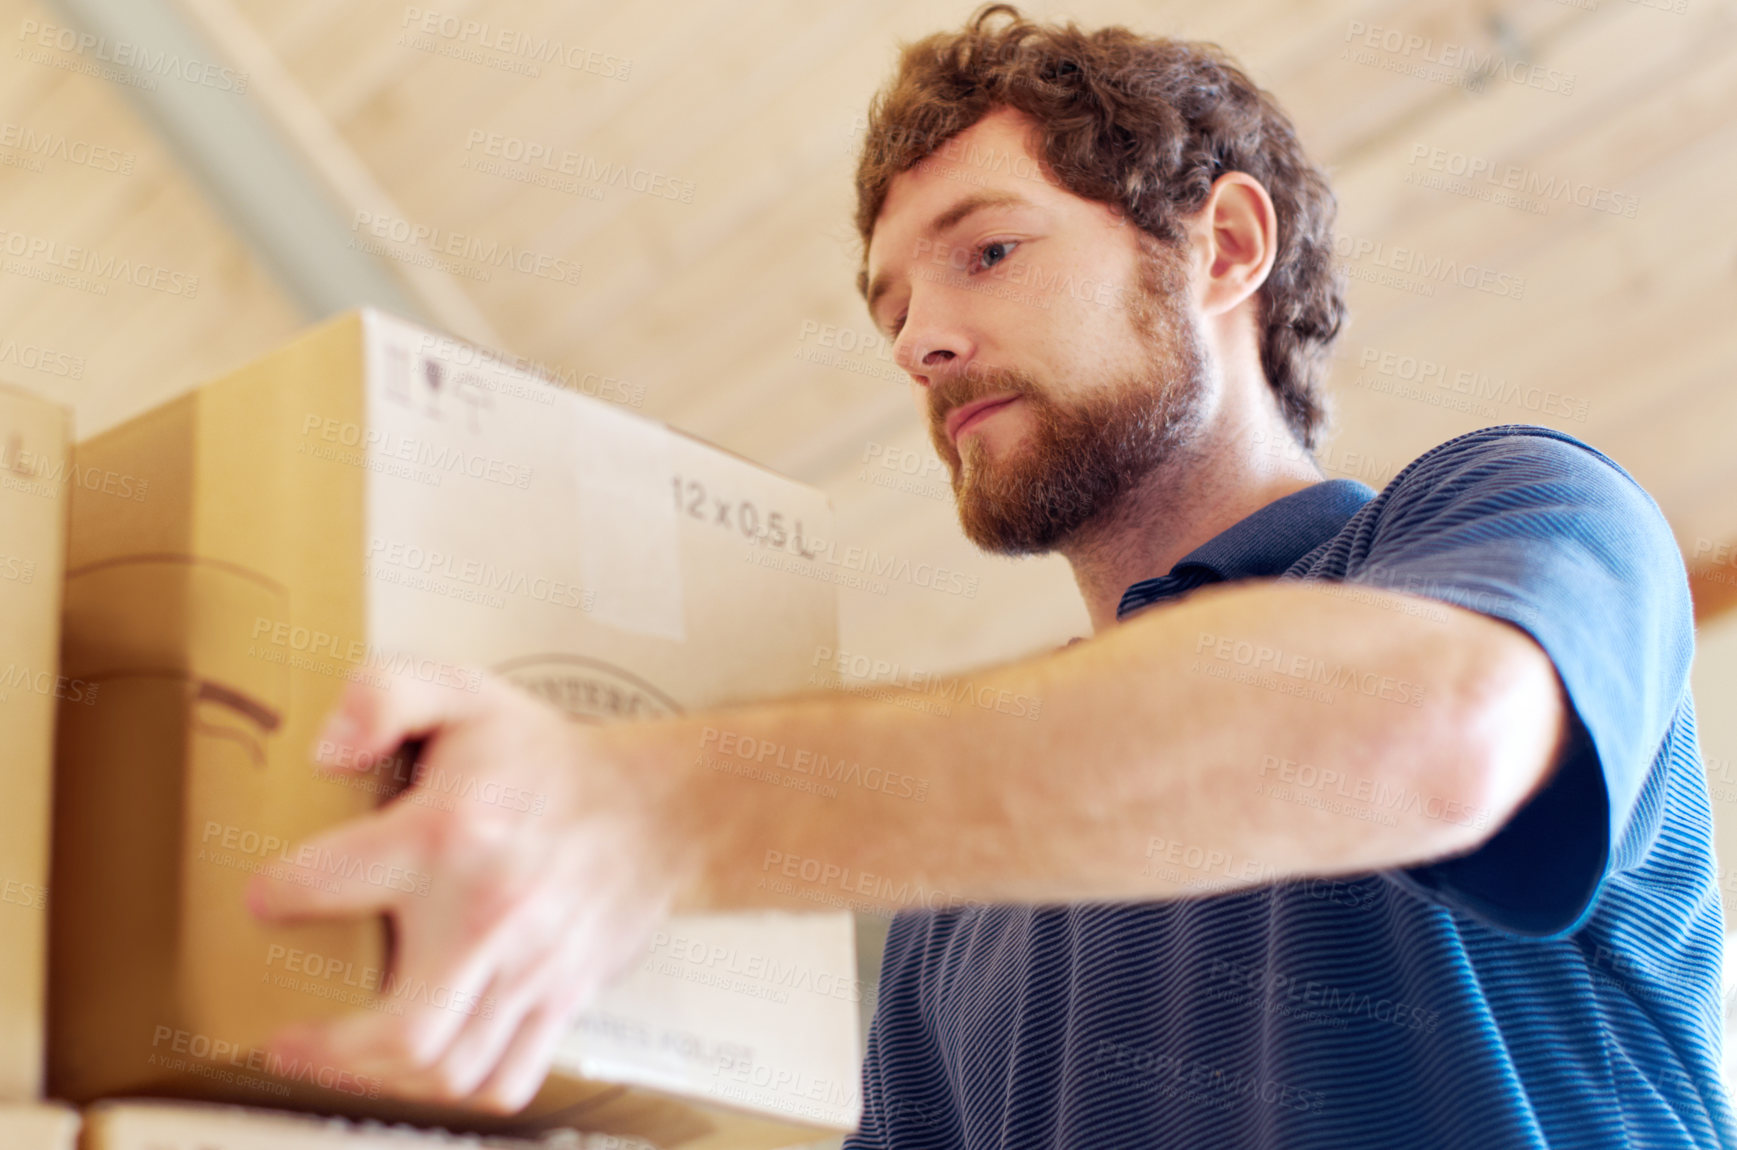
[950,218]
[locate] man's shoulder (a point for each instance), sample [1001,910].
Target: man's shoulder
[1533,480]
[1519,453]
[1519,509]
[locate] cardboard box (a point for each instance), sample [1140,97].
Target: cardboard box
[34,477]
[375,496]
[31,1126]
[149,1125]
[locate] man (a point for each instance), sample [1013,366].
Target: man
[1363,820]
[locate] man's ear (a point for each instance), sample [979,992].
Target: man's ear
[1236,236]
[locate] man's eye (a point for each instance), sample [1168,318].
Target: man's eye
[993,253]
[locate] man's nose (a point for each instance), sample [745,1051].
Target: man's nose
[936,346]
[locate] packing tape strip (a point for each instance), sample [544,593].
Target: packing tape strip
[630,540]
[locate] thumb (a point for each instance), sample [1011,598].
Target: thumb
[373,717]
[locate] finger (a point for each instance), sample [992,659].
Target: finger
[371,720]
[482,1043]
[528,950]
[396,1042]
[455,1071]
[305,1046]
[591,955]
[445,962]
[364,866]
[524,1065]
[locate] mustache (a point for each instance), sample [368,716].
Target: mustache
[951,391]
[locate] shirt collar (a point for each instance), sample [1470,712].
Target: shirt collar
[1265,543]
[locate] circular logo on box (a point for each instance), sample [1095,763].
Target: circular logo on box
[589,690]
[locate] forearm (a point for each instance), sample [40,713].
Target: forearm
[1158,766]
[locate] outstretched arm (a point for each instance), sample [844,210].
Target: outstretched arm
[1250,733]
[1246,734]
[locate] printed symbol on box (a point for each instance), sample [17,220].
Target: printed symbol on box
[588,690]
[431,376]
[474,397]
[218,722]
[233,703]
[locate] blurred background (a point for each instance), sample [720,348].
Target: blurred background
[651,204]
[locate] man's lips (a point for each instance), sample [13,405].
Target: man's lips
[966,414]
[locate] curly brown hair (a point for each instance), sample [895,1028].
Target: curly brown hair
[1142,123]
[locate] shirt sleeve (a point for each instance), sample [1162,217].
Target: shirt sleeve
[1535,528]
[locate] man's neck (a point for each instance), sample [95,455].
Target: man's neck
[1196,495]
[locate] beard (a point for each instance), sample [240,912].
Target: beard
[1082,456]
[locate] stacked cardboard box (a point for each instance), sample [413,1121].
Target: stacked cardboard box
[34,477]
[32,1126]
[375,498]
[145,1125]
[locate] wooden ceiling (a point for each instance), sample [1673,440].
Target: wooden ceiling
[707,292]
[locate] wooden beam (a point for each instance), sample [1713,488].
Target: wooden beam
[1714,587]
[330,160]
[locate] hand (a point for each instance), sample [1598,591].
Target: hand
[543,865]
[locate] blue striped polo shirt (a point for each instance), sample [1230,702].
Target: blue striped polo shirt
[1556,987]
